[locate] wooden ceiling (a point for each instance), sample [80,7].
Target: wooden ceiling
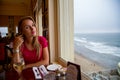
[15,2]
[15,7]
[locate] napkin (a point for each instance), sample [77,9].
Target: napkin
[43,70]
[40,72]
[36,73]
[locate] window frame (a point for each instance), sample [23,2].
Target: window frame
[65,30]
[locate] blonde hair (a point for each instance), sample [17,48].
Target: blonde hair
[35,42]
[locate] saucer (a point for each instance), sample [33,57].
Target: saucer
[54,67]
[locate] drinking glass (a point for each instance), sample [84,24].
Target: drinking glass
[50,76]
[18,66]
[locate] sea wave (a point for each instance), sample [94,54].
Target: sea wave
[100,47]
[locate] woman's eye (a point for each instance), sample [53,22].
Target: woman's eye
[26,27]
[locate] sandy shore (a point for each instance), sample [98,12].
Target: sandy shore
[87,66]
[92,61]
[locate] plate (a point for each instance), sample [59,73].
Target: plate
[54,67]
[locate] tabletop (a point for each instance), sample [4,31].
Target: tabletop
[42,73]
[28,74]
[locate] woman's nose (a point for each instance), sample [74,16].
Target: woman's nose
[31,27]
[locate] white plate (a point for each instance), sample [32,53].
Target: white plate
[53,67]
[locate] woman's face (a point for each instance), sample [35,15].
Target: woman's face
[28,28]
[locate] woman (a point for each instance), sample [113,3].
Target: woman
[33,48]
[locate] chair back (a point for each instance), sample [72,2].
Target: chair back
[5,60]
[9,53]
[2,53]
[73,71]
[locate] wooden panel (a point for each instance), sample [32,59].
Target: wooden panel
[4,21]
[45,24]
[33,4]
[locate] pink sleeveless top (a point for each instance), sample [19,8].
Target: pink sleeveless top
[30,56]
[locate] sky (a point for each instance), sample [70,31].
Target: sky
[96,16]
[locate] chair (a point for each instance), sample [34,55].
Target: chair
[73,71]
[4,58]
[2,54]
[9,53]
[9,56]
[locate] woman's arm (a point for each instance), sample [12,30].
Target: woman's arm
[44,61]
[16,45]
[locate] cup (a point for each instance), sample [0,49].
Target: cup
[18,66]
[50,76]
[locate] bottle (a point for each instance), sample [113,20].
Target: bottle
[63,76]
[118,69]
[57,74]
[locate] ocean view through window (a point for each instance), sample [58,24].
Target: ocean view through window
[97,34]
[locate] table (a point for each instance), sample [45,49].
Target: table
[28,74]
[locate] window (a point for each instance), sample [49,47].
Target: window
[16,29]
[97,34]
[4,31]
[65,29]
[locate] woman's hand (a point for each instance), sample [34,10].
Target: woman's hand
[17,42]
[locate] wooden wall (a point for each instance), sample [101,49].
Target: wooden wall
[5,21]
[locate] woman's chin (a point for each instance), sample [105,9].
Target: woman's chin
[34,35]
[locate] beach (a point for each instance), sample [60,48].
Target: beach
[87,66]
[91,61]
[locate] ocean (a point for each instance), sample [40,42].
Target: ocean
[103,48]
[105,43]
